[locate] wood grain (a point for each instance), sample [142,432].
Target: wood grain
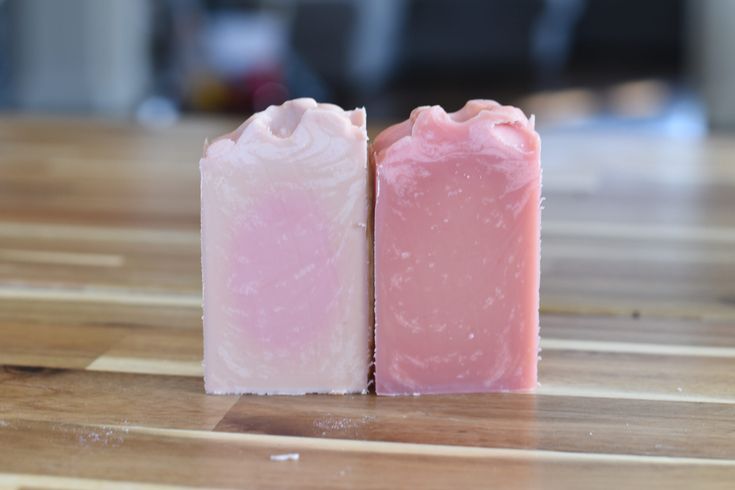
[122,454]
[69,395]
[100,332]
[521,421]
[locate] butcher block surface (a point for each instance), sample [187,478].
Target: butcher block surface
[101,341]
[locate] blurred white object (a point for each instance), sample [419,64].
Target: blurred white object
[712,42]
[374,40]
[157,112]
[81,55]
[238,43]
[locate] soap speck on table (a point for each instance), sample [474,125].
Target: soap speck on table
[285,457]
[104,436]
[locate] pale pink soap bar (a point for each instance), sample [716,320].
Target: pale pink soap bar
[457,243]
[285,253]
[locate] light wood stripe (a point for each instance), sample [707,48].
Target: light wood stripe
[558,304]
[142,298]
[194,369]
[572,183]
[598,252]
[97,233]
[639,231]
[294,444]
[63,258]
[637,348]
[576,228]
[146,366]
[552,390]
[20,480]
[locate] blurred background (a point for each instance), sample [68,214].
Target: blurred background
[654,65]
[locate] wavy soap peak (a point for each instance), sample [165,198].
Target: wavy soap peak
[279,123]
[506,123]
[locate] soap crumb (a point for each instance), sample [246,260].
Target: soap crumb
[679,389]
[285,457]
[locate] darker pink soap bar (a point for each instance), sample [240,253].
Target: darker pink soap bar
[457,249]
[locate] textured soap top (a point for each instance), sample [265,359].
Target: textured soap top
[290,127]
[432,130]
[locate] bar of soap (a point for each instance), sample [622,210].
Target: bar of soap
[285,261]
[457,251]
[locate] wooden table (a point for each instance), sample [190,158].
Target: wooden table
[100,332]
